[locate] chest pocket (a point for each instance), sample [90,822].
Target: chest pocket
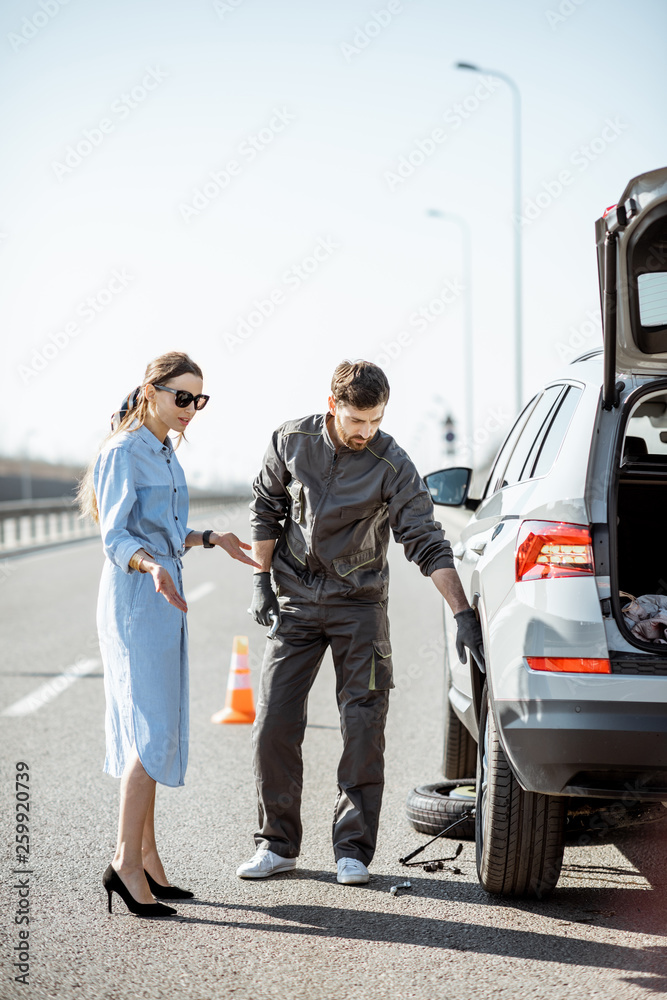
[344,565]
[295,491]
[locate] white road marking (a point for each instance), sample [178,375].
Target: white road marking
[52,688]
[60,683]
[198,592]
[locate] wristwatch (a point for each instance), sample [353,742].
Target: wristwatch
[206,538]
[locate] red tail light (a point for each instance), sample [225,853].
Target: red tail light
[569,664]
[547,549]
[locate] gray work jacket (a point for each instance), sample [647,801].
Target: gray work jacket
[331,513]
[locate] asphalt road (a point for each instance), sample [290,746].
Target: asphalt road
[603,932]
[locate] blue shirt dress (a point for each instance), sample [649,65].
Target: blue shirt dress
[143,503]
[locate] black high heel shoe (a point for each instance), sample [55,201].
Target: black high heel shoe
[112,882]
[166,891]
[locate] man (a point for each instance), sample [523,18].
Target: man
[331,487]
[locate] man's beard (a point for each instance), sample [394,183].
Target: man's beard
[349,440]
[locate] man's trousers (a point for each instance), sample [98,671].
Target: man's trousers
[358,635]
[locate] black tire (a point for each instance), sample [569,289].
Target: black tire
[430,809]
[520,836]
[460,754]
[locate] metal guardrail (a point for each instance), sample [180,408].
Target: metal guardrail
[35,524]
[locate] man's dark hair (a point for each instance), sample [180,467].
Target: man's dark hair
[360,384]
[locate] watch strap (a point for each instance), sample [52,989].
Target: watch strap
[206,538]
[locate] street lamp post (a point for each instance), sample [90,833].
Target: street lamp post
[467,327]
[26,470]
[518,311]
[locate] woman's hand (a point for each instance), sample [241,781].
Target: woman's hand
[233,547]
[165,585]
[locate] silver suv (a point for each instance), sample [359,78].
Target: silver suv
[570,528]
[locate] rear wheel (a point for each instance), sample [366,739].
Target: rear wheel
[519,835]
[460,748]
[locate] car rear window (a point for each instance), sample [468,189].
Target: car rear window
[646,430]
[496,478]
[533,430]
[652,291]
[554,436]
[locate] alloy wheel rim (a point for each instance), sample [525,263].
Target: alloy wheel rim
[484,781]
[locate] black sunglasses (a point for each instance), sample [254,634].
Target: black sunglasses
[184,398]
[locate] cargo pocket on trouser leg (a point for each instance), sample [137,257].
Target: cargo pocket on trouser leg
[382,671]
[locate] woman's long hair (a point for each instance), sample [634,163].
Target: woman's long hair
[132,415]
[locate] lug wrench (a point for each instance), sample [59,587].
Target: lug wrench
[406,861]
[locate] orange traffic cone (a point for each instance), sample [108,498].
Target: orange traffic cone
[239,704]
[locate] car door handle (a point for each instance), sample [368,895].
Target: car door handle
[478,548]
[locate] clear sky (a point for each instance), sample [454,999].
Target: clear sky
[250,182]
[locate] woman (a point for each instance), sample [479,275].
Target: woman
[136,490]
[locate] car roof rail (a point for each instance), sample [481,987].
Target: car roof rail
[589,354]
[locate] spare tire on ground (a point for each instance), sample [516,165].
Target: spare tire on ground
[431,808]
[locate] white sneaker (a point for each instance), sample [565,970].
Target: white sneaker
[265,863]
[352,872]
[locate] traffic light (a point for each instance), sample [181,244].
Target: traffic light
[449,434]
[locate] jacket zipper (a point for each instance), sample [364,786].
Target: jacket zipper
[323,498]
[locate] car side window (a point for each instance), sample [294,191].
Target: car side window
[495,479]
[540,463]
[538,420]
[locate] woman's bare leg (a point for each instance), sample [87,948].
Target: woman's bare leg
[151,858]
[137,792]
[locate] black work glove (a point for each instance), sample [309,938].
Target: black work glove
[264,600]
[469,635]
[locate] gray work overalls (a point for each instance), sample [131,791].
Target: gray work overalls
[331,514]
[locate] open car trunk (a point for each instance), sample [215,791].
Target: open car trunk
[641,534]
[639,510]
[631,239]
